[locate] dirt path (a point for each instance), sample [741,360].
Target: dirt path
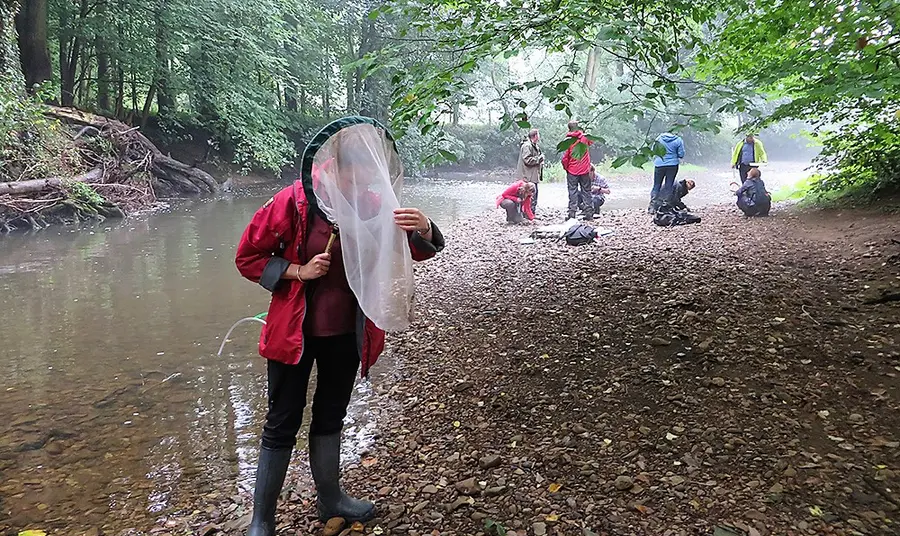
[725,378]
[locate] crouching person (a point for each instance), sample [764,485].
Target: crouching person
[516,200]
[752,197]
[681,189]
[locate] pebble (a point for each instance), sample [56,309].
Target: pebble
[489,462]
[624,483]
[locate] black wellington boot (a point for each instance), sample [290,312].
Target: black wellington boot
[270,474]
[325,464]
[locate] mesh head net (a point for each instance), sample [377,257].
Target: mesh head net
[356,179]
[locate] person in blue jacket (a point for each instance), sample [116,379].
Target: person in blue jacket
[665,169]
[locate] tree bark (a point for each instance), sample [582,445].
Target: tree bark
[102,75]
[31,23]
[165,101]
[39,185]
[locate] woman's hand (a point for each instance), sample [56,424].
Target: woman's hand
[315,268]
[413,220]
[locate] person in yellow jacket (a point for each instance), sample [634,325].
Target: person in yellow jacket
[747,151]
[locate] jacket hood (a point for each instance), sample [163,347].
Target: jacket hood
[668,137]
[575,134]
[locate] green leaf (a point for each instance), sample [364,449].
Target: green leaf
[447,155]
[619,162]
[564,145]
[579,150]
[523,124]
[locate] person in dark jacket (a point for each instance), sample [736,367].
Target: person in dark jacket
[752,197]
[292,250]
[681,189]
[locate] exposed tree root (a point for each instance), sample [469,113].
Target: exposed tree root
[125,172]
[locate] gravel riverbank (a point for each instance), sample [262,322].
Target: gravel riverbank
[722,378]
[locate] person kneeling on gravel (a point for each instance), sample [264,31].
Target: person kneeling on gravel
[516,200]
[752,197]
[681,189]
[333,295]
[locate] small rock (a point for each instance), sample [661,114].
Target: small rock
[718,382]
[463,386]
[540,529]
[624,483]
[777,489]
[578,429]
[494,491]
[856,418]
[430,489]
[659,341]
[460,502]
[489,462]
[467,487]
[334,526]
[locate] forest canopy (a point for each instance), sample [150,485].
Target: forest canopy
[463,80]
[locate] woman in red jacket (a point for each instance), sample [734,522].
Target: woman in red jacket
[292,249]
[516,200]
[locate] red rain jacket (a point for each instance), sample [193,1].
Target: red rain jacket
[582,166]
[276,235]
[512,193]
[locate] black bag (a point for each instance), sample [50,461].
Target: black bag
[667,216]
[580,234]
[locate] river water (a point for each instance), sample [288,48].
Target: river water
[115,407]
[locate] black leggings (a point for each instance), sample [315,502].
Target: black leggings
[337,360]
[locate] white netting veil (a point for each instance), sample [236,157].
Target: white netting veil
[356,179]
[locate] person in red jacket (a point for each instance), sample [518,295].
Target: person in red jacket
[516,200]
[578,172]
[292,250]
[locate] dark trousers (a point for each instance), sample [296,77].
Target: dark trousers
[663,182]
[743,169]
[576,183]
[513,210]
[598,202]
[337,360]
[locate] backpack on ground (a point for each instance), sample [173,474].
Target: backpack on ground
[580,234]
[667,216]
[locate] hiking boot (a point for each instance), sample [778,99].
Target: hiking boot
[270,473]
[331,501]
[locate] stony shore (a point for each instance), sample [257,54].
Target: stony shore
[735,377]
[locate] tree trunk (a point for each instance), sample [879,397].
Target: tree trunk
[590,71]
[70,51]
[39,185]
[102,75]
[31,23]
[165,101]
[10,66]
[290,99]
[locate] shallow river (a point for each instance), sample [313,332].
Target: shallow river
[114,405]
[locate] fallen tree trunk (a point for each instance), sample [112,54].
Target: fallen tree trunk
[37,186]
[170,176]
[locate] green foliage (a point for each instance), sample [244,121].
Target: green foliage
[494,528]
[83,194]
[862,155]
